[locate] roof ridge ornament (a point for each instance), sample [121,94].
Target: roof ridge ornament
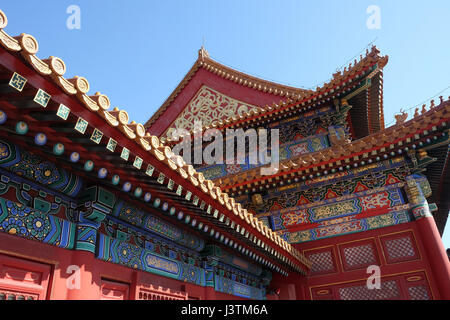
[203,53]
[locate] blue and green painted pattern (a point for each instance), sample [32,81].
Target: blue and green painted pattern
[116,251]
[148,222]
[286,151]
[228,286]
[34,168]
[232,260]
[17,219]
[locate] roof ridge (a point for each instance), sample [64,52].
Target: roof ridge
[373,54]
[206,62]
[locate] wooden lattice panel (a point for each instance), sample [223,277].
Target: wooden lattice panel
[323,261]
[159,293]
[389,290]
[17,295]
[400,247]
[359,255]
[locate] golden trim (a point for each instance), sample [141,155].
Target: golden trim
[365,279]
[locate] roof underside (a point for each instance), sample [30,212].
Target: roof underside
[18,55]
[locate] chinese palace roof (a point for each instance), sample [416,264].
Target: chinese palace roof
[274,100]
[35,93]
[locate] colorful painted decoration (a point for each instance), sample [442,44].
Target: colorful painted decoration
[116,251]
[34,168]
[125,154]
[42,98]
[21,128]
[138,192]
[180,215]
[165,206]
[89,165]
[115,180]
[102,173]
[63,112]
[137,163]
[147,197]
[112,144]
[96,136]
[3,117]
[58,149]
[17,219]
[172,211]
[157,202]
[81,125]
[74,157]
[17,82]
[126,187]
[40,139]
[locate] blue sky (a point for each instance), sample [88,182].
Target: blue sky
[136,52]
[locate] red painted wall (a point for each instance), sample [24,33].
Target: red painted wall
[41,269]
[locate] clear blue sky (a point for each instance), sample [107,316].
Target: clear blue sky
[136,52]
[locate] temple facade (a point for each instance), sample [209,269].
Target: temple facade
[95,206]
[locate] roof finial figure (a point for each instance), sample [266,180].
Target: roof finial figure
[202,53]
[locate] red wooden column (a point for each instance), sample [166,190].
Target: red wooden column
[436,253]
[90,280]
[431,239]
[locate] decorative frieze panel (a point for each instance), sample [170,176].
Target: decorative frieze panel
[19,220]
[218,254]
[238,289]
[34,168]
[349,225]
[286,151]
[361,203]
[139,218]
[320,189]
[115,251]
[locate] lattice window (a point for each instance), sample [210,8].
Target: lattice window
[400,249]
[389,290]
[360,256]
[14,295]
[418,293]
[159,293]
[322,262]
